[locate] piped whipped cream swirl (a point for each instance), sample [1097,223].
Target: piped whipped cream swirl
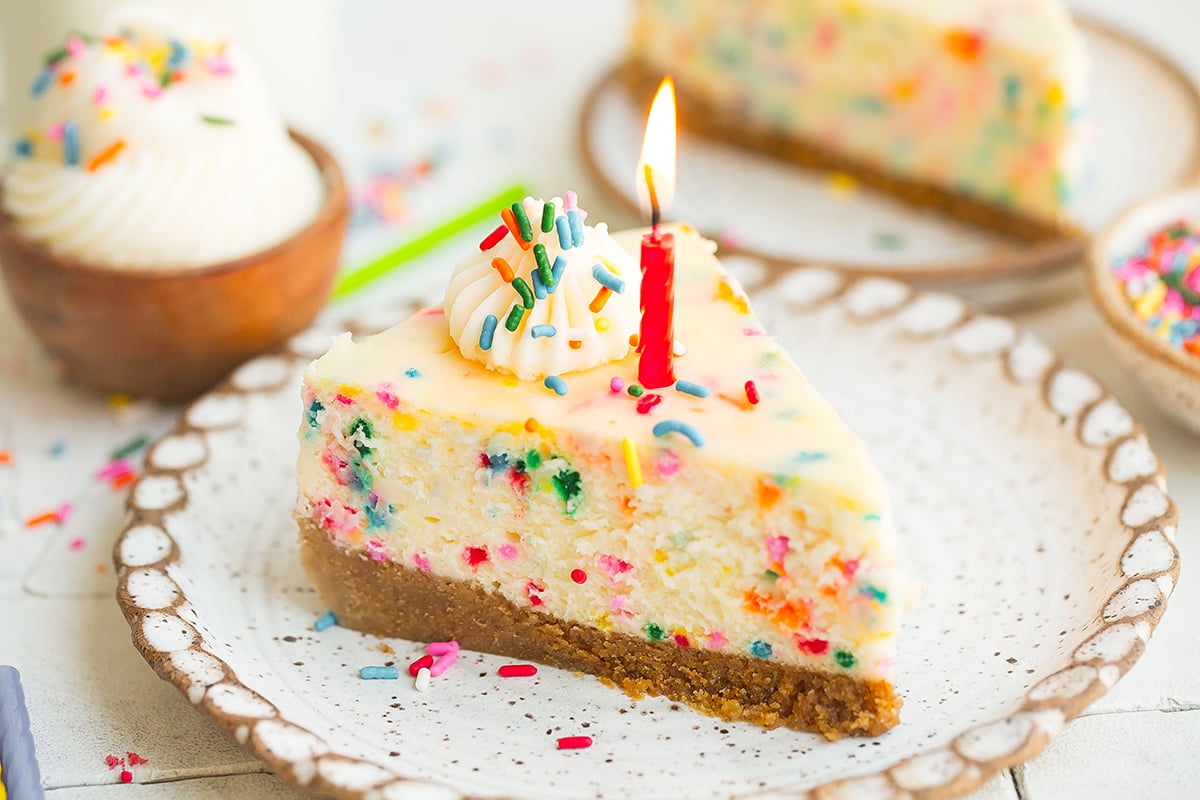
[156,146]
[583,318]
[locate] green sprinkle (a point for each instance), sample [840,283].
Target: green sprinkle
[54,56]
[523,289]
[888,240]
[569,485]
[211,120]
[771,575]
[1174,280]
[518,209]
[361,426]
[533,459]
[412,372]
[314,409]
[130,447]
[547,217]
[543,263]
[514,318]
[876,594]
[845,659]
[635,390]
[655,632]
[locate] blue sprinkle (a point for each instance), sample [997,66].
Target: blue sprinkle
[564,233]
[760,649]
[809,457]
[412,372]
[58,447]
[22,148]
[872,518]
[555,384]
[694,389]
[548,331]
[539,288]
[607,279]
[71,143]
[576,221]
[498,462]
[326,620]
[488,334]
[560,266]
[675,426]
[42,82]
[178,53]
[379,673]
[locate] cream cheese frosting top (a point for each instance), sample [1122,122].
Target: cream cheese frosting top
[503,313]
[156,146]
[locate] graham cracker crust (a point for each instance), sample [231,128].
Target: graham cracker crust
[700,118]
[387,599]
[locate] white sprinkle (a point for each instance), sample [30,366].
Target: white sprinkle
[423,677]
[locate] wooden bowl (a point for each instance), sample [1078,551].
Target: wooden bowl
[1171,376]
[171,334]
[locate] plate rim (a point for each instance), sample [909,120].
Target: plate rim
[1047,258]
[962,765]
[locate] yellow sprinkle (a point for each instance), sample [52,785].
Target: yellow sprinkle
[1147,304]
[841,184]
[350,390]
[633,464]
[510,381]
[849,504]
[1054,95]
[601,323]
[119,401]
[660,556]
[725,292]
[106,113]
[604,623]
[404,422]
[613,268]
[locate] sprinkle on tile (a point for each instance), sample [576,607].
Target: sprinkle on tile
[374,673]
[517,671]
[324,622]
[574,742]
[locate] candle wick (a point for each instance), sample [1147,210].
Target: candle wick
[655,211]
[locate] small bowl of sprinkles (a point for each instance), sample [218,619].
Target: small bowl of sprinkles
[1144,275]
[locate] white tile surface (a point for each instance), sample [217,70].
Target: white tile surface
[259,787]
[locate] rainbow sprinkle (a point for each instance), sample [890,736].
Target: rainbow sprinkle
[488,334]
[564,233]
[633,464]
[607,279]
[693,389]
[555,384]
[1161,283]
[543,331]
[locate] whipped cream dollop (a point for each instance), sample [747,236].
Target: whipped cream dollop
[503,313]
[155,145]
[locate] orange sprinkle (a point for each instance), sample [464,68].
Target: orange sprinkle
[634,339]
[506,272]
[575,344]
[511,221]
[123,480]
[600,299]
[106,155]
[768,495]
[41,519]
[967,45]
[5,457]
[532,425]
[67,78]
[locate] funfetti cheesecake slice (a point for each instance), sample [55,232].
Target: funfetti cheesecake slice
[490,471]
[975,107]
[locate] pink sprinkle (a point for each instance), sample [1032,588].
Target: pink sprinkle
[777,548]
[133,70]
[385,395]
[422,562]
[616,385]
[441,648]
[62,512]
[1173,303]
[442,664]
[508,552]
[126,776]
[77,543]
[613,565]
[114,469]
[716,640]
[75,46]
[136,760]
[619,606]
[152,91]
[55,131]
[850,567]
[112,761]
[377,550]
[218,65]
[341,398]
[667,463]
[570,200]
[579,576]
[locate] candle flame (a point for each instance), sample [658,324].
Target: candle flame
[656,167]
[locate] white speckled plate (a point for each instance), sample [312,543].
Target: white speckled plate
[1030,508]
[1145,119]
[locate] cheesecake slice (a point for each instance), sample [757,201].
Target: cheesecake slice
[974,107]
[723,544]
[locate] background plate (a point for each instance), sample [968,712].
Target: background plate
[1030,509]
[1145,116]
